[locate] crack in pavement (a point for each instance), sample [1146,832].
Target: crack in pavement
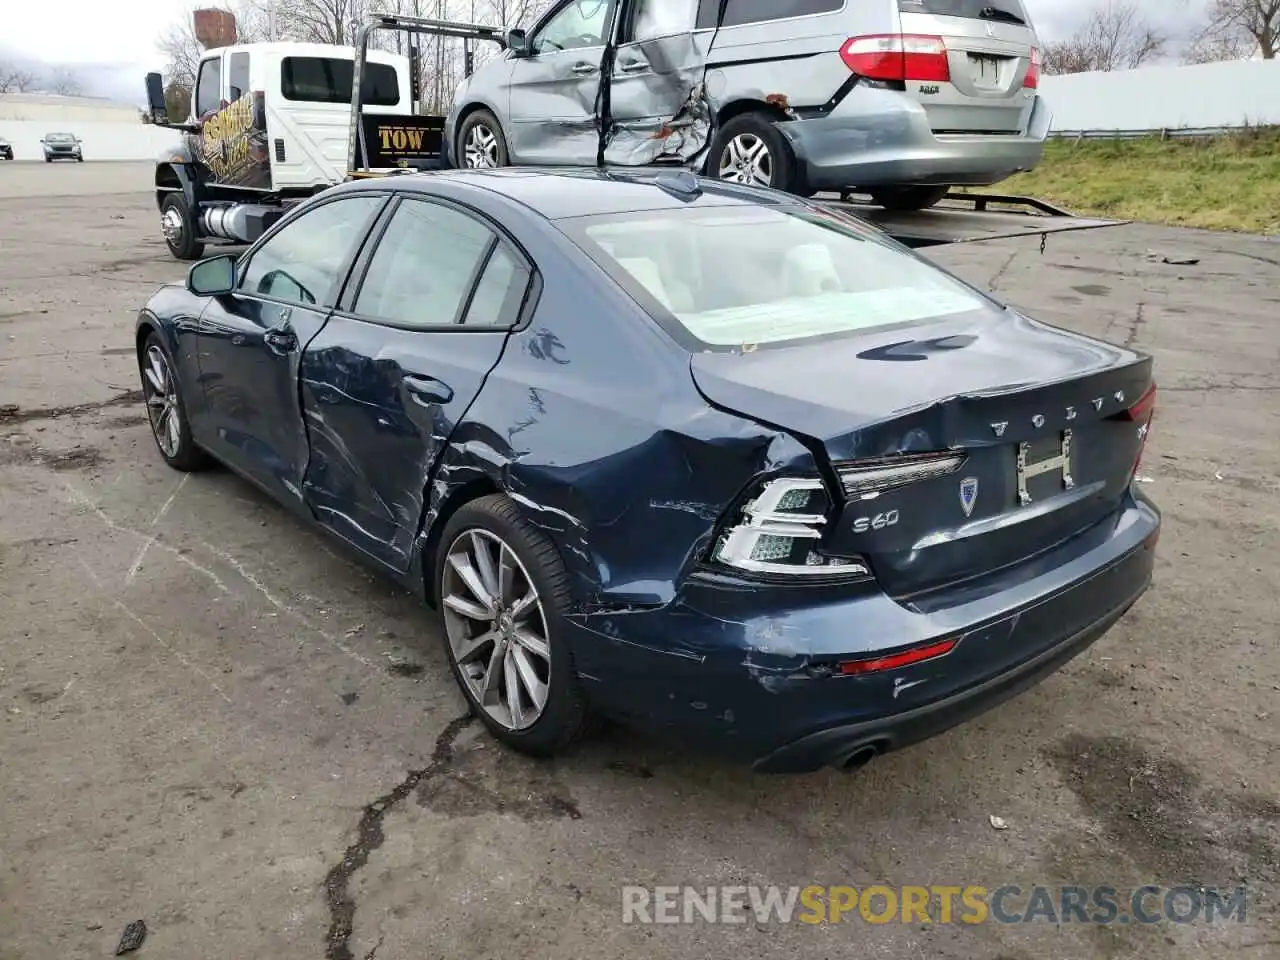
[370,836]
[12,413]
[1135,327]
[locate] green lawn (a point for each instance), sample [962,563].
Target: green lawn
[1224,183]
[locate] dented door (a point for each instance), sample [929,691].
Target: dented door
[658,109]
[555,89]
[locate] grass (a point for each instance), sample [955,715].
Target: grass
[1231,182]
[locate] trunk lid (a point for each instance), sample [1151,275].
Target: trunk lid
[993,387]
[989,44]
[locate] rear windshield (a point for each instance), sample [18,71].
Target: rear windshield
[328,80]
[1008,11]
[751,276]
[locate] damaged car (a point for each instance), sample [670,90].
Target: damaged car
[712,460]
[902,99]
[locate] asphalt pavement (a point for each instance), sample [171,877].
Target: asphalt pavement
[214,721]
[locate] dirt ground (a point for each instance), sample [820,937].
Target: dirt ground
[212,720]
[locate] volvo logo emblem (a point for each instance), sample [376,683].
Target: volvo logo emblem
[1037,421]
[968,494]
[1000,428]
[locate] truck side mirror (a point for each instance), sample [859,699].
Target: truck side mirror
[518,42]
[155,98]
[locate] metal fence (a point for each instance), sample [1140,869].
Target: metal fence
[1165,133]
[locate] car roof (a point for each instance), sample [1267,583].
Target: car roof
[560,193]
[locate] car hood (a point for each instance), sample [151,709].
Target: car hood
[933,385]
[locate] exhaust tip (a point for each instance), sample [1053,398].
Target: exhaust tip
[860,757]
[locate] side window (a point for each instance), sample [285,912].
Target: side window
[652,19]
[500,292]
[303,262]
[739,12]
[209,87]
[425,267]
[238,75]
[582,23]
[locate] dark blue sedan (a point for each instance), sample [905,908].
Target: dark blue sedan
[716,461]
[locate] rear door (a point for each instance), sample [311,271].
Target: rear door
[656,106]
[555,91]
[989,45]
[398,364]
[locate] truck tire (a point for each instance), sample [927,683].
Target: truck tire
[480,142]
[903,199]
[750,150]
[180,227]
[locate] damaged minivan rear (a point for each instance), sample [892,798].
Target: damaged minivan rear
[902,99]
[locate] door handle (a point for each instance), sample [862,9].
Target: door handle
[585,68]
[427,390]
[280,340]
[631,66]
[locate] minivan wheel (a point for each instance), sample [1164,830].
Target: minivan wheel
[908,198]
[750,150]
[502,593]
[481,142]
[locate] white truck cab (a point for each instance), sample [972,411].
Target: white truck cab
[306,95]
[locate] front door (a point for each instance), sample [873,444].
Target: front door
[398,365]
[555,90]
[657,108]
[250,341]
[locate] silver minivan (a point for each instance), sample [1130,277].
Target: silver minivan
[897,98]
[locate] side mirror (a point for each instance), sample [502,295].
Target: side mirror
[213,277]
[518,42]
[155,98]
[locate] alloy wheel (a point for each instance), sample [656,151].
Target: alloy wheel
[161,390]
[747,160]
[481,148]
[497,628]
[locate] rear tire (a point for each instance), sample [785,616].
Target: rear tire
[750,150]
[902,199]
[502,614]
[180,228]
[481,145]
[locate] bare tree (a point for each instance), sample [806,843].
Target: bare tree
[15,79]
[1116,36]
[1236,29]
[64,81]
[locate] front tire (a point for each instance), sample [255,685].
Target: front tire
[481,144]
[750,150]
[502,593]
[162,392]
[179,227]
[904,199]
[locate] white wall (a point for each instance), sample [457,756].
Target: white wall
[1152,98]
[100,141]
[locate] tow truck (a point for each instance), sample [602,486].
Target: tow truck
[271,124]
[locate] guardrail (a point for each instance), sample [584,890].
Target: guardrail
[1163,133]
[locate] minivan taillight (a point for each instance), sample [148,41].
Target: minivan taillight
[1032,80]
[898,56]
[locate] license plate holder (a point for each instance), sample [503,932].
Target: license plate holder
[985,69]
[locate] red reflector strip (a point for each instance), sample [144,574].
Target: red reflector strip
[893,661]
[1138,412]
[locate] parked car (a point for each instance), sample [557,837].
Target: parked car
[6,149]
[61,146]
[899,98]
[704,457]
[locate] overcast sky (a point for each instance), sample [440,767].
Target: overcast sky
[125,33]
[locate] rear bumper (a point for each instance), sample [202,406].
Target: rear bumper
[878,137]
[747,674]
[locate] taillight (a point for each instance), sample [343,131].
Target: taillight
[1032,80]
[1141,412]
[898,56]
[777,531]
